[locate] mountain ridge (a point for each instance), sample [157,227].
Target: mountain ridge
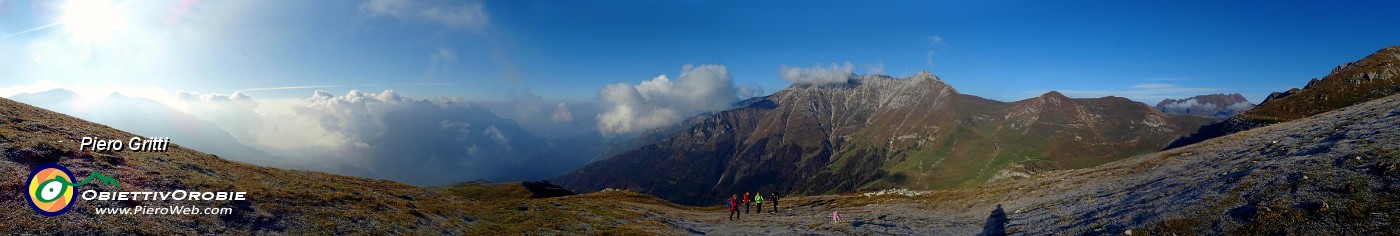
[1211,105]
[876,131]
[1371,77]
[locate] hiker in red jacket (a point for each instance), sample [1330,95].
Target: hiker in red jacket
[733,207]
[746,203]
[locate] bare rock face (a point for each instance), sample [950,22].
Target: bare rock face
[1212,106]
[878,132]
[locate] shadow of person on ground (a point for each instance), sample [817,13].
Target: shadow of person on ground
[996,223]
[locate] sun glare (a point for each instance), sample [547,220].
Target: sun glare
[92,20]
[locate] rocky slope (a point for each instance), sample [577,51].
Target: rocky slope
[1337,173]
[1213,105]
[1372,77]
[877,132]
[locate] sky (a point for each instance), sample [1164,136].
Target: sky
[567,50]
[333,77]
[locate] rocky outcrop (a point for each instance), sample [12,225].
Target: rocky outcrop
[544,189]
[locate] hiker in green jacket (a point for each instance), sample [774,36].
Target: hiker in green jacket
[758,199]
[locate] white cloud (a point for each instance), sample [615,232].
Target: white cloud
[876,69]
[225,110]
[562,114]
[1191,103]
[445,54]
[1148,92]
[933,42]
[92,92]
[386,135]
[1240,106]
[38,86]
[395,8]
[323,128]
[661,101]
[496,135]
[817,74]
[440,62]
[550,119]
[472,14]
[527,104]
[465,14]
[1152,86]
[747,91]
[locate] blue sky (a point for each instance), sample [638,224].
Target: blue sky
[569,50]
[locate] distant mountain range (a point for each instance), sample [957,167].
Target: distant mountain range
[425,143]
[1372,77]
[1213,106]
[429,144]
[876,132]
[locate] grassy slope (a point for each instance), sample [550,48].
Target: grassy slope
[280,201]
[1372,77]
[981,145]
[1333,174]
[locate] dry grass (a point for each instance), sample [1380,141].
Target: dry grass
[281,201]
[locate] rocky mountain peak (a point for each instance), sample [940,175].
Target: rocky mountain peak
[1238,96]
[1212,105]
[1053,95]
[809,139]
[925,75]
[888,89]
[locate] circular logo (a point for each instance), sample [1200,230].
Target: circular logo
[50,190]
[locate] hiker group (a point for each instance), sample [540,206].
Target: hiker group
[735,201]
